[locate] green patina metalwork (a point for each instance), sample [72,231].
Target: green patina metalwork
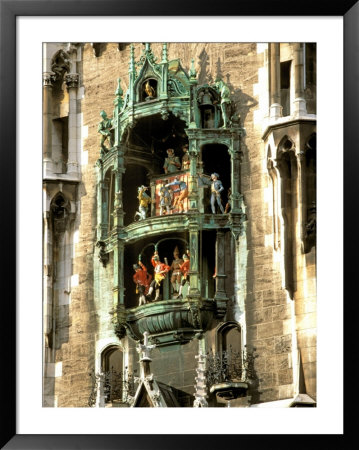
[161,95]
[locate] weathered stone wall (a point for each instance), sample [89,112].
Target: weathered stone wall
[266,313]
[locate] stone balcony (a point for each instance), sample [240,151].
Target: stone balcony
[173,222]
[170,322]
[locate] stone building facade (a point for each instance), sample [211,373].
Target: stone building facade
[244,332]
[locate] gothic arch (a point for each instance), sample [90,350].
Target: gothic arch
[108,197]
[148,88]
[288,170]
[309,193]
[228,335]
[215,158]
[112,358]
[273,175]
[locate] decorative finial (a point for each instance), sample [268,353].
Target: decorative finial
[119,91]
[200,386]
[164,53]
[148,53]
[132,60]
[192,72]
[144,351]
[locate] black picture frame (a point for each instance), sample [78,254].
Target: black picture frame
[9,10]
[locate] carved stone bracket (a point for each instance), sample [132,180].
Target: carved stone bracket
[72,80]
[119,321]
[196,316]
[48,78]
[102,255]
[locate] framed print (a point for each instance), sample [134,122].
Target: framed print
[173,258]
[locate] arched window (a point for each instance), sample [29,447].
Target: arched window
[112,359]
[60,65]
[310,190]
[108,199]
[288,169]
[226,363]
[112,368]
[216,159]
[272,171]
[229,337]
[149,90]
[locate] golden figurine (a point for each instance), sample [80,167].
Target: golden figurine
[149,89]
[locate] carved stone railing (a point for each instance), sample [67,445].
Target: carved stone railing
[171,321]
[229,373]
[111,387]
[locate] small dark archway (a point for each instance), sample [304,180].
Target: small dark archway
[149,90]
[108,199]
[215,158]
[152,136]
[112,359]
[112,367]
[207,263]
[228,337]
[136,175]
[166,246]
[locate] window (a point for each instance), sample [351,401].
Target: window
[285,87]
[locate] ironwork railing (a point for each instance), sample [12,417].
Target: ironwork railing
[112,386]
[229,366]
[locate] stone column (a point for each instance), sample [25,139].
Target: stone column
[193,184]
[299,104]
[235,154]
[47,286]
[220,267]
[302,180]
[153,197]
[100,212]
[118,285]
[194,117]
[194,260]
[164,94]
[118,172]
[48,78]
[275,106]
[105,210]
[72,81]
[119,289]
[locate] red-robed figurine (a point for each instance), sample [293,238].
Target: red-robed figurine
[161,270]
[142,280]
[184,269]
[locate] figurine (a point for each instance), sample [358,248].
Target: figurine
[216,189]
[144,200]
[176,270]
[149,90]
[105,129]
[172,162]
[228,204]
[185,158]
[161,270]
[165,200]
[183,193]
[142,280]
[185,277]
[225,101]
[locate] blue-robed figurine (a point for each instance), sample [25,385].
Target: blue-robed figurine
[216,189]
